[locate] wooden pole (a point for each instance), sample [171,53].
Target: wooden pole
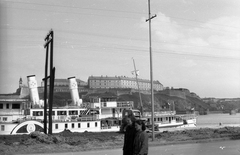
[151,67]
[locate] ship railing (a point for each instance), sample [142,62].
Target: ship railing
[124,103]
[11,112]
[106,127]
[188,116]
[160,113]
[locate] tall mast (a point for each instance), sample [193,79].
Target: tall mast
[151,68]
[140,98]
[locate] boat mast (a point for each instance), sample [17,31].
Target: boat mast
[140,98]
[151,70]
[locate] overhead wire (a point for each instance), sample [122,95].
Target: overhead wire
[119,37]
[108,10]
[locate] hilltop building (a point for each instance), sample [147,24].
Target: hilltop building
[122,82]
[62,85]
[65,83]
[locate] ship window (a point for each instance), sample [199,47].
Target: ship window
[2,128]
[61,113]
[79,125]
[66,126]
[95,124]
[74,112]
[37,113]
[72,125]
[88,125]
[56,126]
[15,106]
[53,113]
[1,106]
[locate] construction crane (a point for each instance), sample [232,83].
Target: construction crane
[136,73]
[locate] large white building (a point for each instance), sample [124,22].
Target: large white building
[122,82]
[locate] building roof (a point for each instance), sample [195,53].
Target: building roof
[120,78]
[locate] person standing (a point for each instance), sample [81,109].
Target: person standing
[129,136]
[140,145]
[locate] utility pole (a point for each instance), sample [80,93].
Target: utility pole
[151,67]
[49,41]
[140,98]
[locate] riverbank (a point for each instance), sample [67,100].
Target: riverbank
[73,142]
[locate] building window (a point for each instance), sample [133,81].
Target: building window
[2,128]
[66,126]
[56,126]
[1,106]
[4,118]
[72,125]
[88,125]
[95,124]
[79,125]
[7,106]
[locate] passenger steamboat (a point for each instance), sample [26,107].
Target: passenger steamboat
[101,114]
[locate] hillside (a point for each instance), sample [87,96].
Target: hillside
[179,100]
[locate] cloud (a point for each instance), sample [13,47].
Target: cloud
[216,37]
[166,29]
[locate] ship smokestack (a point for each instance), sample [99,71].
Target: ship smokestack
[33,87]
[74,91]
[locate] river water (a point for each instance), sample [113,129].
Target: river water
[211,121]
[218,120]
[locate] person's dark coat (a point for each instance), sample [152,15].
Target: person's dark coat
[140,146]
[128,140]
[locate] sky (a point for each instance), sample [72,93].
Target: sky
[195,43]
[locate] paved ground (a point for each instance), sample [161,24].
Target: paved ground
[230,147]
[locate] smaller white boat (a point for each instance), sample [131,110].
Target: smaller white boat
[169,119]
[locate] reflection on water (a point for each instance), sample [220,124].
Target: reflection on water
[214,120]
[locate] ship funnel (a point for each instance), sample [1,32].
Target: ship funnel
[33,88]
[74,91]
